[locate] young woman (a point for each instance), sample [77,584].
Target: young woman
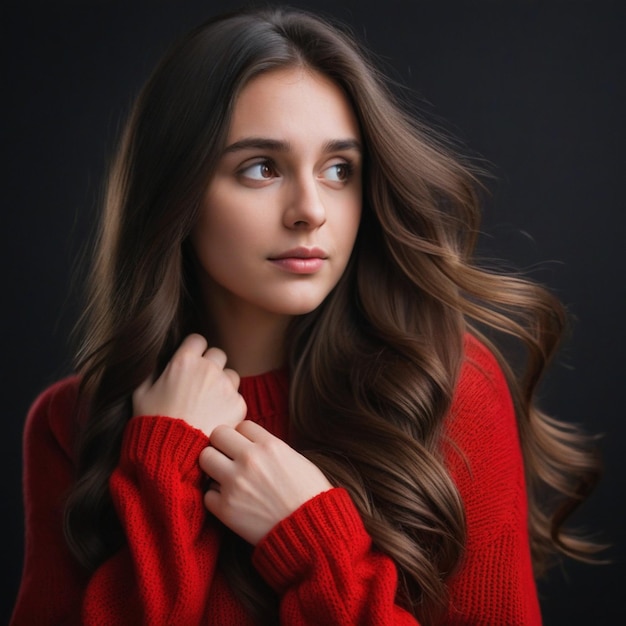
[287,408]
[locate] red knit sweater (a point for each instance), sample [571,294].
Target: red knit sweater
[319,560]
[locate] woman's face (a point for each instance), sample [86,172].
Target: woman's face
[280,216]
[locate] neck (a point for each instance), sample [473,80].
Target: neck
[253,340]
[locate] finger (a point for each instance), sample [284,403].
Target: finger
[252,431]
[233,376]
[217,356]
[212,501]
[228,441]
[215,465]
[193,343]
[214,486]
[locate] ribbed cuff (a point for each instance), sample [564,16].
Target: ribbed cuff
[162,443]
[311,537]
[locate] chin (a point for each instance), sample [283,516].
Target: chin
[294,301]
[298,310]
[300,306]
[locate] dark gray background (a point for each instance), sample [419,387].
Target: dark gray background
[536,90]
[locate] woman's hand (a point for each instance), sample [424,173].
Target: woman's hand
[195,387]
[257,479]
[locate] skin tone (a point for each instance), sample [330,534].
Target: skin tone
[288,184]
[276,230]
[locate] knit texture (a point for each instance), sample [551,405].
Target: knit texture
[319,560]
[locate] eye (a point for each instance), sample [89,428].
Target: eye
[338,172]
[263,170]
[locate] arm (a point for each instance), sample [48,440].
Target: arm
[51,583]
[321,561]
[494,584]
[164,572]
[311,545]
[319,556]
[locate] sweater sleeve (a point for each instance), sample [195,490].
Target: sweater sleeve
[321,562]
[163,573]
[51,581]
[494,585]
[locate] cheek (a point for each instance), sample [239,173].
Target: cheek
[202,239]
[227,242]
[350,221]
[229,216]
[208,240]
[216,225]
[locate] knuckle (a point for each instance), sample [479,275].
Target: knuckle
[239,489]
[209,370]
[218,431]
[233,376]
[272,447]
[205,457]
[215,356]
[195,339]
[224,384]
[249,462]
[242,407]
[182,361]
[217,352]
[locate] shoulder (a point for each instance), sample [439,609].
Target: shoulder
[480,375]
[54,414]
[482,400]
[482,397]
[481,439]
[483,454]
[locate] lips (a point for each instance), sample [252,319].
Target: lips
[300,260]
[301,253]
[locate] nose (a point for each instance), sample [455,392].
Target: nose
[304,208]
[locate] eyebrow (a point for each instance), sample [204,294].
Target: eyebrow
[277,145]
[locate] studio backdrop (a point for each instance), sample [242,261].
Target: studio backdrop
[534,92]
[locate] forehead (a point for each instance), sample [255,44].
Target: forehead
[292,102]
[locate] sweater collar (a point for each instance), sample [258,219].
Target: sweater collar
[267,398]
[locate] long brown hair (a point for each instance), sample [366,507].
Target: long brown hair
[380,356]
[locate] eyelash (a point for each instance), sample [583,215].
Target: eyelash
[264,163]
[347,164]
[349,168]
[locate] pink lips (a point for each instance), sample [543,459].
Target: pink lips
[301,260]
